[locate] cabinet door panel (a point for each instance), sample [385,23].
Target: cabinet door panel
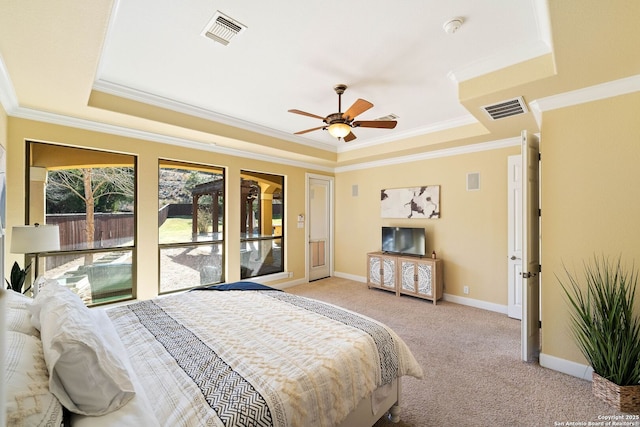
[374,271]
[389,273]
[425,279]
[408,276]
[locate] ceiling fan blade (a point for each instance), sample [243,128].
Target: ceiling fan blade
[358,107]
[308,130]
[349,137]
[384,124]
[304,113]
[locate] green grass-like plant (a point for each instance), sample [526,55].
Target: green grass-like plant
[603,321]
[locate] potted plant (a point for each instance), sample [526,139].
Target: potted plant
[607,330]
[17,278]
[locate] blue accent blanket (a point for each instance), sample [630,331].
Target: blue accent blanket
[237,286]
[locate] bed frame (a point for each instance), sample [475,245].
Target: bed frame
[363,415]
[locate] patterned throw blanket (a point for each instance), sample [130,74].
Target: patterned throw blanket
[257,358]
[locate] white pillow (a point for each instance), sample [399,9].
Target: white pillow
[86,374]
[138,412]
[17,300]
[19,320]
[18,316]
[40,283]
[29,401]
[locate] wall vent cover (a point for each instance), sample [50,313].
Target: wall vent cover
[511,107]
[222,28]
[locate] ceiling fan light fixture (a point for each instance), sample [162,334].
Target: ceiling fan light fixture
[339,124]
[339,130]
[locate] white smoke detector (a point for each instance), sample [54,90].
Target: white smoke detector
[452,25]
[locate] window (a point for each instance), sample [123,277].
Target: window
[90,195]
[261,223]
[191,224]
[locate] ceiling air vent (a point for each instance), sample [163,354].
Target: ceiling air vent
[222,28]
[388,117]
[511,107]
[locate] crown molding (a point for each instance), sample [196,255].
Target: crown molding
[499,61]
[543,22]
[447,152]
[9,101]
[146,98]
[469,119]
[58,119]
[8,97]
[192,110]
[508,57]
[588,94]
[90,125]
[623,86]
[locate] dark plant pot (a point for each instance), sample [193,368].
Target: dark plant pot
[624,398]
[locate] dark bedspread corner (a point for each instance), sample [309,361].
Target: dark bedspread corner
[237,286]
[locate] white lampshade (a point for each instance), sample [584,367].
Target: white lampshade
[34,239]
[339,130]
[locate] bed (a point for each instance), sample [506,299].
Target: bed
[235,355]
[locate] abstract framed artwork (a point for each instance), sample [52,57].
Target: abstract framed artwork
[412,202]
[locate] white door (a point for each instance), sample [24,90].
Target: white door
[320,195]
[530,248]
[514,246]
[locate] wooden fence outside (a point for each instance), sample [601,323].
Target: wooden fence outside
[111,230]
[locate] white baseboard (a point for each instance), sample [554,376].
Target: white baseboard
[566,366]
[270,277]
[498,308]
[289,284]
[350,277]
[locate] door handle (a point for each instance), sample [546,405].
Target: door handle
[513,258]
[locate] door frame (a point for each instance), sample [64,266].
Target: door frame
[307,230]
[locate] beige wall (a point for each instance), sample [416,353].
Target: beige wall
[470,236]
[590,200]
[148,154]
[589,169]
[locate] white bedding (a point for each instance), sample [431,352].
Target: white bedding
[138,411]
[223,358]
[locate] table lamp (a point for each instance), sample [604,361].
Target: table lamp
[35,239]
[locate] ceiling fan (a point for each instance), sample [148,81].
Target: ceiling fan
[340,124]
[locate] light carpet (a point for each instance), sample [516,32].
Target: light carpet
[471,359]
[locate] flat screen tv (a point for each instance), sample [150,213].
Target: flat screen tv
[404,240]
